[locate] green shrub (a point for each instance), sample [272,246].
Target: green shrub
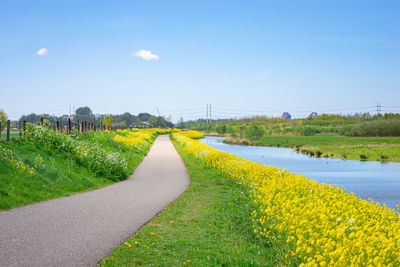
[221,129]
[373,128]
[254,131]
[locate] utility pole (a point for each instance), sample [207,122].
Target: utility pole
[210,113]
[378,108]
[207,114]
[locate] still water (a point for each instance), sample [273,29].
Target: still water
[381,181]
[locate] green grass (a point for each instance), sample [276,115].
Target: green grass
[58,176]
[209,225]
[13,134]
[335,146]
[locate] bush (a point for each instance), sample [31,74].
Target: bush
[373,128]
[3,119]
[254,131]
[221,129]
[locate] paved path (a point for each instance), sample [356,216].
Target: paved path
[82,229]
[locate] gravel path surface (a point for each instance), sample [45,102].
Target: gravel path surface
[82,229]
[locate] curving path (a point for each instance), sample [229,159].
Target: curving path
[82,229]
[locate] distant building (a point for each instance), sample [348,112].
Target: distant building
[313,115]
[286,115]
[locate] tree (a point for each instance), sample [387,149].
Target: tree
[84,114]
[221,129]
[254,131]
[128,118]
[143,116]
[83,111]
[153,121]
[123,124]
[3,118]
[107,121]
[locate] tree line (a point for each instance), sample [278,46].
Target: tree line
[86,114]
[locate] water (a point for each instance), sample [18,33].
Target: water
[380,181]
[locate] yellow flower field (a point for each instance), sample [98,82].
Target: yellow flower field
[136,138]
[321,224]
[193,134]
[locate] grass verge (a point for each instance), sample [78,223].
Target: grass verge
[209,225]
[57,175]
[335,146]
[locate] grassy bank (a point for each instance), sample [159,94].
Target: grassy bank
[42,167]
[209,225]
[335,146]
[322,224]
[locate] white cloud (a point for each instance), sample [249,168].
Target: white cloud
[146,55]
[42,52]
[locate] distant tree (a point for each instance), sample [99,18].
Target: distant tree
[153,121]
[84,114]
[128,118]
[31,118]
[144,116]
[123,124]
[3,118]
[83,111]
[221,129]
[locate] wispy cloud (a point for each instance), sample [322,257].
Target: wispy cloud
[146,55]
[42,52]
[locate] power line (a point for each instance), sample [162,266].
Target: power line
[378,108]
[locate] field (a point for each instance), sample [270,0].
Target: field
[336,146]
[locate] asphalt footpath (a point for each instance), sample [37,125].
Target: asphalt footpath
[82,229]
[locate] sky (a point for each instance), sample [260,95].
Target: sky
[242,57]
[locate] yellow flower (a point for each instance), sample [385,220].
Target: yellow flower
[326,225]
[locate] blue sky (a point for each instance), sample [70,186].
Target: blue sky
[243,57]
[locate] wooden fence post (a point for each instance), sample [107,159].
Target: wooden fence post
[24,126]
[69,126]
[81,127]
[41,121]
[19,129]
[58,125]
[8,131]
